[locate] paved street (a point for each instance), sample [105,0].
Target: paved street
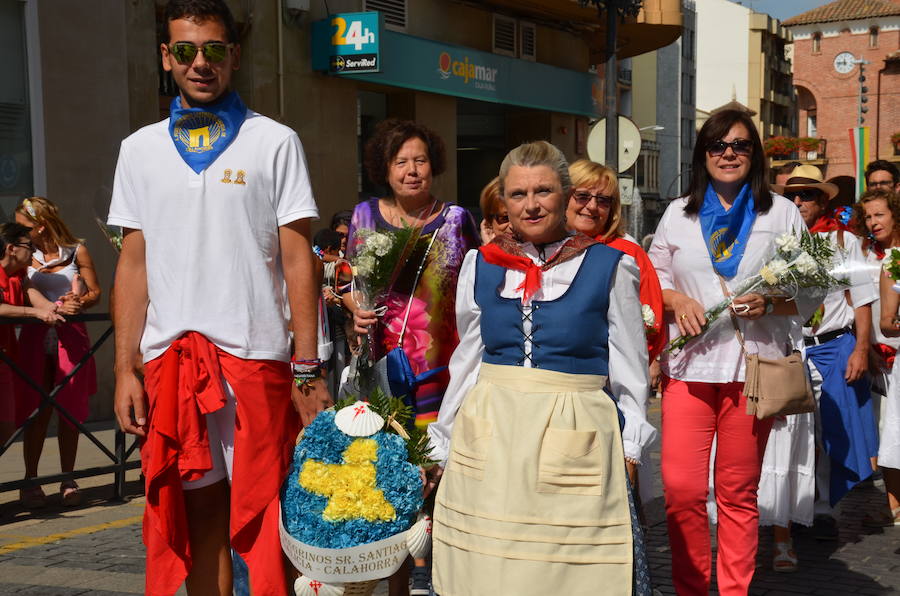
[96,549]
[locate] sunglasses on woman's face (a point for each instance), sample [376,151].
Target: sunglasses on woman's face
[584,197]
[739,146]
[185,52]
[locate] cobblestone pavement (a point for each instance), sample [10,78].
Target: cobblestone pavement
[97,550]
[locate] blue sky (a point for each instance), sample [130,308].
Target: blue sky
[782,9]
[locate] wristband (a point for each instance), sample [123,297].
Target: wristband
[304,378]
[305,365]
[307,371]
[770,304]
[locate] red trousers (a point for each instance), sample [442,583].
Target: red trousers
[692,414]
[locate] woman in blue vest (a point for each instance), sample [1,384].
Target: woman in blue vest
[534,497]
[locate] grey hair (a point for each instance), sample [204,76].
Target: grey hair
[534,154]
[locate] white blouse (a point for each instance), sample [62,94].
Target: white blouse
[683,264]
[628,375]
[850,265]
[875,272]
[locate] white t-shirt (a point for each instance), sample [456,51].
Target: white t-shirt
[850,265]
[683,264]
[212,243]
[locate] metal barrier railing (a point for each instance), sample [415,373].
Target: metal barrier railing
[120,453]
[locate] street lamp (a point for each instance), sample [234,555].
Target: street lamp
[615,10]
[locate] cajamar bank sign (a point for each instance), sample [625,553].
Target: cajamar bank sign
[480,75]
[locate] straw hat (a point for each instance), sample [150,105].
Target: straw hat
[807,176]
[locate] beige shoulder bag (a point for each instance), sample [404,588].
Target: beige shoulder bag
[774,387]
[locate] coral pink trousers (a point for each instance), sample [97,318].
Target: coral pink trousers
[692,414]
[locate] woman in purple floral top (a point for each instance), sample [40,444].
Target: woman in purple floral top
[404,157]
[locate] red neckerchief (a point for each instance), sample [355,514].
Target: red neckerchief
[505,252]
[13,292]
[827,224]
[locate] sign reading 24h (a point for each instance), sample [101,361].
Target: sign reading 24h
[353,40]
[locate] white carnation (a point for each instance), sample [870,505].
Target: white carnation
[805,264]
[787,243]
[648,315]
[774,271]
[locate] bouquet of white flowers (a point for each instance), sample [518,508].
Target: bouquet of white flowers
[804,262]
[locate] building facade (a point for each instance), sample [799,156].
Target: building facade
[665,93]
[741,57]
[831,44]
[485,75]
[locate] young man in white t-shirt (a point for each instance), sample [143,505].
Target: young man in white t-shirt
[215,203]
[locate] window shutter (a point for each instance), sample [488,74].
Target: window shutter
[504,41]
[394,12]
[527,41]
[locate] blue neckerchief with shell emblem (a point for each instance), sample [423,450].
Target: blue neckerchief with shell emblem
[202,134]
[725,232]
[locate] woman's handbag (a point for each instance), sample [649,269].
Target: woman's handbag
[774,387]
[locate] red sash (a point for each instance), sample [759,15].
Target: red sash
[182,385]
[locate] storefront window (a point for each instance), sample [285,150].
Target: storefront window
[16,168]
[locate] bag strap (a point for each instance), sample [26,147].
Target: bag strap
[734,323]
[416,282]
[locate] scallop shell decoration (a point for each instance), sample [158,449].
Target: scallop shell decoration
[418,537]
[306,586]
[358,420]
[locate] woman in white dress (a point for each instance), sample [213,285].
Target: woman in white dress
[534,498]
[878,218]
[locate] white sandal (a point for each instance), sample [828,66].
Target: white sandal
[785,559]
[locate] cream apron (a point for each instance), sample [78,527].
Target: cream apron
[534,497]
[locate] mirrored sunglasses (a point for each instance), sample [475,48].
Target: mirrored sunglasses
[739,146]
[185,52]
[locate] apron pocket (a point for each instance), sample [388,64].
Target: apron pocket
[469,446]
[566,464]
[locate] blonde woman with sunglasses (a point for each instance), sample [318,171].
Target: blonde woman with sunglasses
[63,272]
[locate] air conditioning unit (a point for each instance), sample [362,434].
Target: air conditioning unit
[527,41]
[514,38]
[504,41]
[394,11]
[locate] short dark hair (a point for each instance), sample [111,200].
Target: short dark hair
[714,129]
[11,232]
[882,164]
[385,143]
[341,218]
[200,10]
[788,168]
[326,238]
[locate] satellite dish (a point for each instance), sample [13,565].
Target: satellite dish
[629,143]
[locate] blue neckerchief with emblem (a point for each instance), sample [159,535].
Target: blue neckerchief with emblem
[202,134]
[726,232]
